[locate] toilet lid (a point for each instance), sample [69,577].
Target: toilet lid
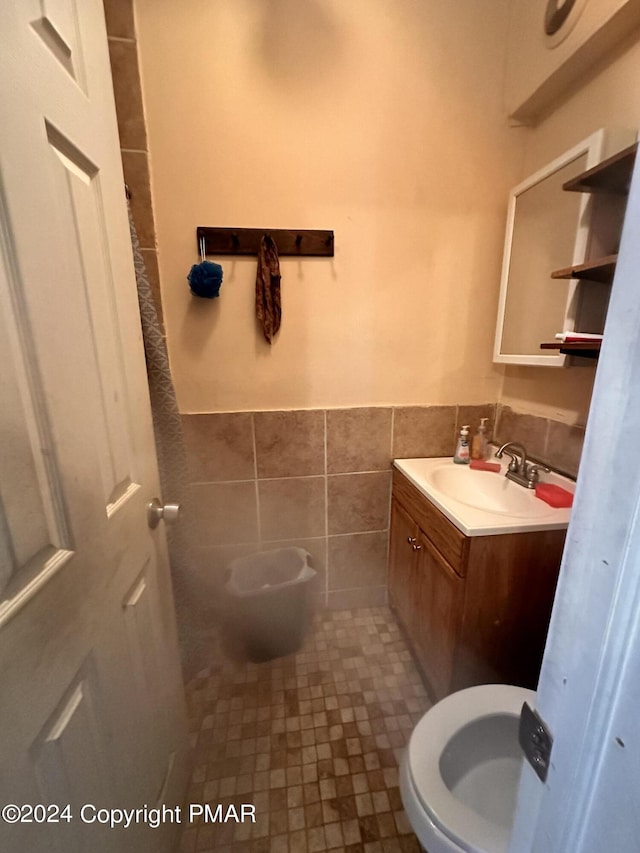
[470,830]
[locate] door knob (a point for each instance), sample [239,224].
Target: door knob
[156,512]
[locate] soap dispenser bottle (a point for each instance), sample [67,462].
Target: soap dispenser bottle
[479,441]
[462,456]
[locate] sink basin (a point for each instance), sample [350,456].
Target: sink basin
[482,503]
[487,491]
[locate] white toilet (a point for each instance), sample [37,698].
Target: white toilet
[459,775]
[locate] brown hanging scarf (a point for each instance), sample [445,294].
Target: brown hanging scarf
[268,305]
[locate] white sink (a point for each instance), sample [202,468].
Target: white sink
[482,503]
[486,490]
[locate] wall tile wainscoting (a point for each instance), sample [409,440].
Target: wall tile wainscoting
[321,479]
[557,444]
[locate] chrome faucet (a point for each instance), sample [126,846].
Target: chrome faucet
[519,469]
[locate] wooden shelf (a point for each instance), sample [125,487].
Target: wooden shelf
[585,349]
[611,176]
[600,269]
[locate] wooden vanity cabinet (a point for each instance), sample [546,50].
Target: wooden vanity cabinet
[475,609]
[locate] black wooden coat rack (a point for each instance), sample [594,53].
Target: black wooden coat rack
[246,241]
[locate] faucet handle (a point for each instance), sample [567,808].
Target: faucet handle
[514,462]
[518,464]
[533,473]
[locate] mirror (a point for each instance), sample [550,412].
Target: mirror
[547,229]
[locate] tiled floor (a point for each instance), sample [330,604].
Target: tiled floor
[312,740]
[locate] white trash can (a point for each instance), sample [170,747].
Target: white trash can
[270,606]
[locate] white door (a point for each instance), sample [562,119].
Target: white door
[91,702]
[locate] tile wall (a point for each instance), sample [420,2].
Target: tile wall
[127,88]
[558,445]
[319,479]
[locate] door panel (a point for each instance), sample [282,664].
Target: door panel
[142,631]
[77,183]
[35,537]
[439,595]
[71,752]
[402,561]
[56,23]
[92,702]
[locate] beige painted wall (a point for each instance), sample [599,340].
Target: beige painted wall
[609,97]
[381,120]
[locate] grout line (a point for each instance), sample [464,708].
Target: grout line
[296,477]
[269,542]
[326,514]
[351,473]
[359,532]
[393,428]
[254,445]
[389,530]
[255,478]
[221,482]
[393,425]
[546,438]
[122,39]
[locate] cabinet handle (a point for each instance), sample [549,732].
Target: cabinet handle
[416,547]
[411,540]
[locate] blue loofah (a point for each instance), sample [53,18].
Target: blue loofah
[205,279]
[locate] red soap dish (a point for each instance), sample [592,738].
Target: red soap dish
[554,495]
[482,465]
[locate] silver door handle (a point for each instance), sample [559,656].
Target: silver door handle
[156,513]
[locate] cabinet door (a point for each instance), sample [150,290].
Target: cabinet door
[437,605]
[402,562]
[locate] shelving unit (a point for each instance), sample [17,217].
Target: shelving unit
[610,180]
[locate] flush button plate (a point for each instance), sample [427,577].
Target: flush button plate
[535,740]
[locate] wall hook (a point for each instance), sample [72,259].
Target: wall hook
[246,241]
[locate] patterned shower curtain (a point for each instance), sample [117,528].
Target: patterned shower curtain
[195,632]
